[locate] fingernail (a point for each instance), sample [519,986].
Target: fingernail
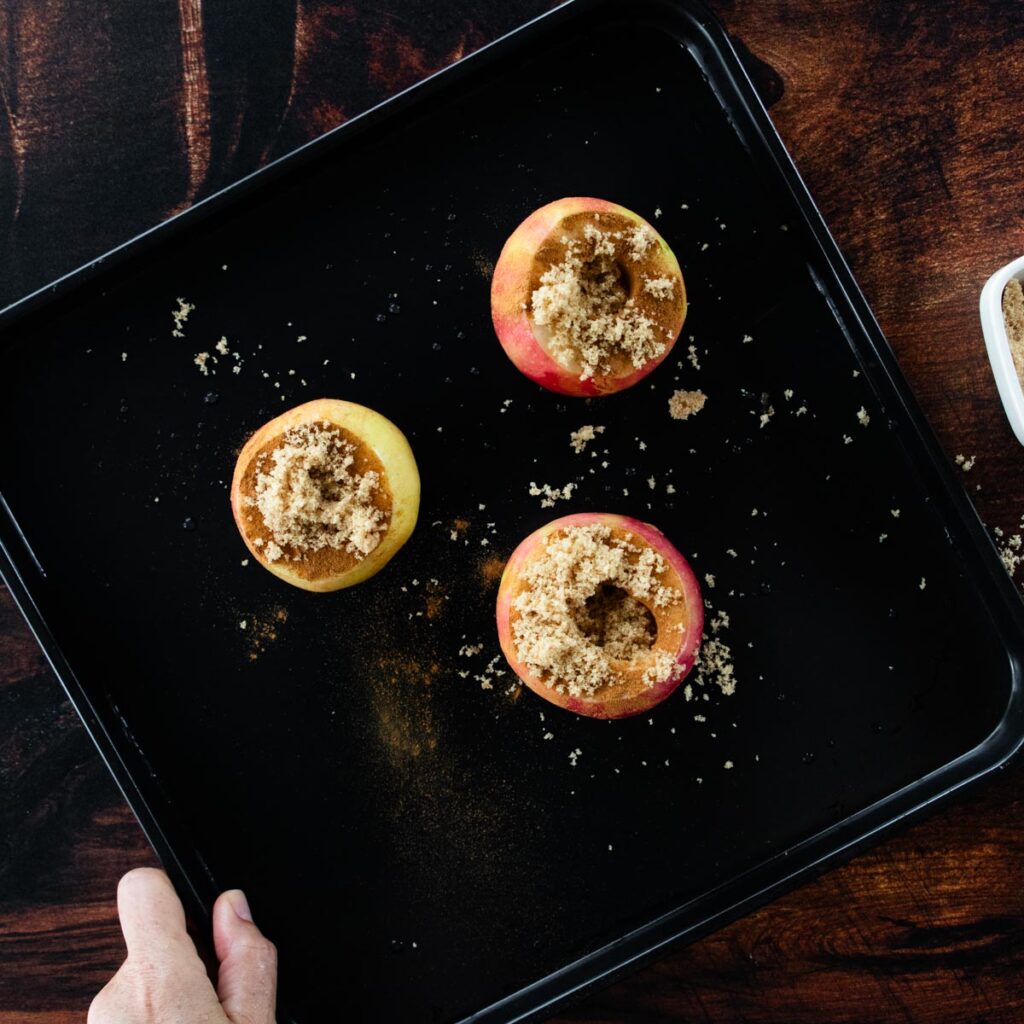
[239,904]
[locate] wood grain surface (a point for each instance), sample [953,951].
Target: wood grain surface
[907,121]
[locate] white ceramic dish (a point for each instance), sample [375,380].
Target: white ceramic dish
[998,344]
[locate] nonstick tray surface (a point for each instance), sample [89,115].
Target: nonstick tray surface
[411,828]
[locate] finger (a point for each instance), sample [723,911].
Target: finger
[152,918]
[247,979]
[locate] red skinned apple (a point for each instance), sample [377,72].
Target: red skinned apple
[326,494]
[587,298]
[600,614]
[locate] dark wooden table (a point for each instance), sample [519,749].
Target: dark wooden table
[907,121]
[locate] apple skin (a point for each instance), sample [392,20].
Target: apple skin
[510,298]
[634,700]
[402,478]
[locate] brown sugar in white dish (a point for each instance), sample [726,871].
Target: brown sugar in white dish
[599,614]
[325,494]
[1013,318]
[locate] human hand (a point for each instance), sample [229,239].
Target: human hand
[163,981]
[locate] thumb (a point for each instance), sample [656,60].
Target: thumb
[247,979]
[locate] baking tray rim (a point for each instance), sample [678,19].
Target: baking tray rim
[126,761]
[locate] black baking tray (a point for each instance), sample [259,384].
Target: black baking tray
[420,847]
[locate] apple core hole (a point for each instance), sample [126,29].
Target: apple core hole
[605,285]
[614,620]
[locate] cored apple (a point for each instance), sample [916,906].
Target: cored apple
[600,614]
[587,298]
[326,494]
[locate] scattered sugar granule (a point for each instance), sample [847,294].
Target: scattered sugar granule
[922,584]
[1010,552]
[862,416]
[894,512]
[766,416]
[692,356]
[881,537]
[965,463]
[788,393]
[574,756]
[670,489]
[470,650]
[124,357]
[657,212]
[709,579]
[847,439]
[579,439]
[802,410]
[180,317]
[549,495]
[747,339]
[1013,319]
[201,361]
[684,404]
[727,765]
[714,663]
[651,482]
[222,346]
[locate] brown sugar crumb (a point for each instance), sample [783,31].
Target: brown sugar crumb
[640,239]
[579,439]
[684,404]
[585,605]
[1011,550]
[180,316]
[582,303]
[310,498]
[1013,318]
[713,663]
[549,495]
[660,287]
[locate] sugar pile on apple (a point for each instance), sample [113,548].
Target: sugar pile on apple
[326,494]
[600,614]
[587,298]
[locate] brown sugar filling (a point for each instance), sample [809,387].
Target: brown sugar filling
[600,301]
[315,498]
[586,616]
